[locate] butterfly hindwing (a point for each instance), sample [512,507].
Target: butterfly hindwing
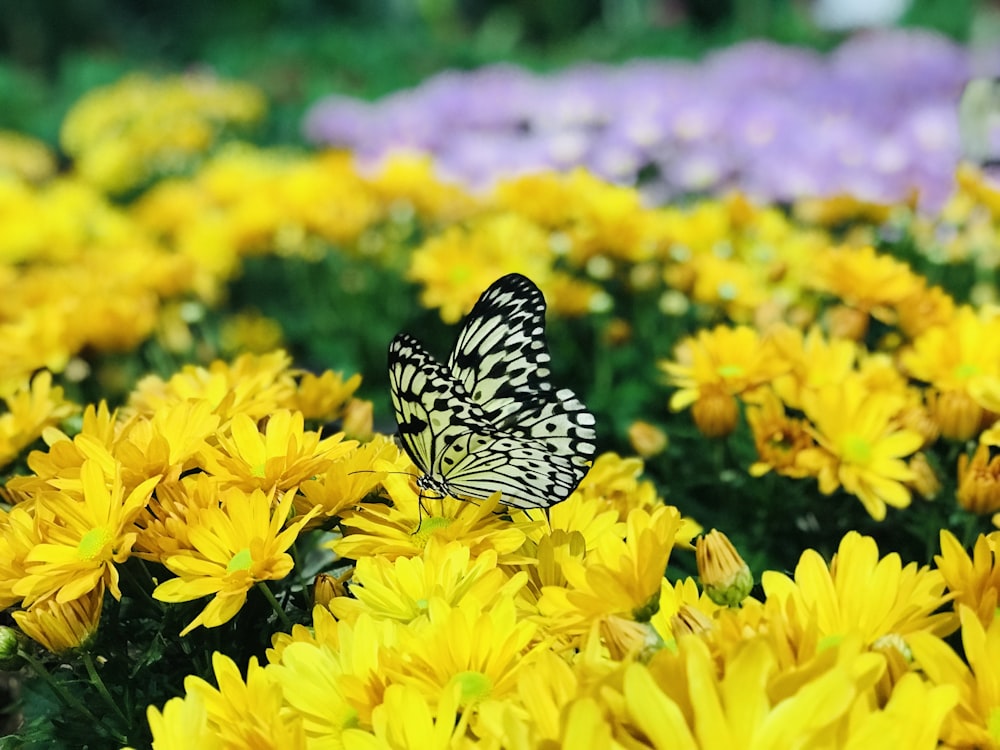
[490,421]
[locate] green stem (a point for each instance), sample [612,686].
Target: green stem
[67,697]
[274,605]
[97,682]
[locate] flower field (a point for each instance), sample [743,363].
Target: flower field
[773,283]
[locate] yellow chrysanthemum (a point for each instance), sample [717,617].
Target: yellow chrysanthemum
[779,438]
[235,545]
[323,397]
[973,723]
[182,725]
[973,581]
[961,356]
[616,585]
[252,385]
[814,362]
[860,445]
[734,361]
[25,157]
[60,627]
[858,593]
[865,279]
[455,266]
[406,719]
[350,477]
[403,589]
[681,701]
[278,454]
[402,528]
[29,411]
[480,650]
[83,533]
[123,134]
[247,713]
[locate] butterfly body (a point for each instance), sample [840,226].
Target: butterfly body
[489,420]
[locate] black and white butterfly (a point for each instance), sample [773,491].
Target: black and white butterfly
[489,420]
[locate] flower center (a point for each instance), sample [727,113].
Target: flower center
[428,526]
[93,543]
[966,370]
[475,686]
[730,371]
[857,450]
[240,561]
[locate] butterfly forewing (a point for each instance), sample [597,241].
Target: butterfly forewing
[490,421]
[501,357]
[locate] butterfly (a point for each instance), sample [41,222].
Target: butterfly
[489,420]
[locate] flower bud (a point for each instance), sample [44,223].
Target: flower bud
[715,414]
[724,575]
[647,440]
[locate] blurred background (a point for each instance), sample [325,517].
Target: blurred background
[298,50]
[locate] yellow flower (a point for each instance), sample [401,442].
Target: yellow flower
[860,446]
[18,536]
[279,454]
[482,651]
[924,309]
[168,443]
[234,545]
[29,411]
[973,722]
[406,719]
[403,529]
[403,589]
[594,217]
[333,674]
[248,714]
[681,701]
[615,585]
[617,482]
[864,279]
[82,535]
[182,725]
[962,355]
[350,477]
[974,582]
[455,266]
[249,331]
[979,481]
[255,385]
[779,438]
[733,361]
[814,362]
[323,397]
[410,178]
[858,593]
[62,627]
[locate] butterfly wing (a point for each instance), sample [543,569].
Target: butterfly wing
[501,356]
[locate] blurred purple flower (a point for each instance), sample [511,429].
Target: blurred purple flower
[877,117]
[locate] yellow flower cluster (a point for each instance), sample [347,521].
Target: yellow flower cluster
[196,472]
[576,236]
[461,627]
[75,272]
[824,406]
[123,135]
